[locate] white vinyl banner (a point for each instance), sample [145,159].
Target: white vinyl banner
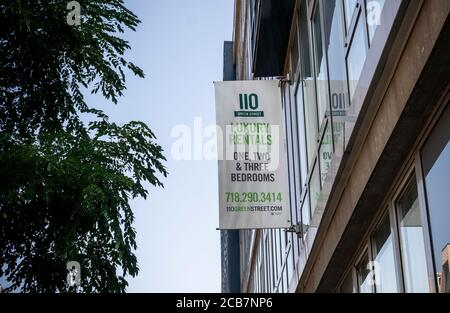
[253,183]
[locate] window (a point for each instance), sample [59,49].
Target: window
[402,257]
[411,240]
[258,272]
[436,171]
[383,256]
[364,274]
[307,81]
[296,247]
[269,269]
[301,136]
[320,65]
[314,187]
[289,264]
[306,212]
[350,6]
[325,154]
[334,45]
[283,237]
[264,266]
[277,253]
[356,57]
[285,282]
[376,271]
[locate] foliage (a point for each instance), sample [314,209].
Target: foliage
[65,185]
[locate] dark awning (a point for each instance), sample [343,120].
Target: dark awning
[272,37]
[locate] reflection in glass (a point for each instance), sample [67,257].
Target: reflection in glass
[356,57]
[285,282]
[276,258]
[325,154]
[436,168]
[308,87]
[411,240]
[314,186]
[290,264]
[320,66]
[301,137]
[271,276]
[365,276]
[334,44]
[306,212]
[280,251]
[383,251]
[349,6]
[373,13]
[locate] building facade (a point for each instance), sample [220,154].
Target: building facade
[365,92]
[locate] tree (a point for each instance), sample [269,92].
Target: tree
[65,185]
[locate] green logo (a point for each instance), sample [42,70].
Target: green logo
[248,105]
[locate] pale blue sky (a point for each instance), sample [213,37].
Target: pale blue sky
[179,45]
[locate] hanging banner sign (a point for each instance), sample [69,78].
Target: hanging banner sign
[253,183]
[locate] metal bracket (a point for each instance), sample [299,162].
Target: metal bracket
[299,229]
[283,79]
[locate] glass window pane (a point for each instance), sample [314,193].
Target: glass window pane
[334,44]
[326,153]
[365,276]
[269,271]
[301,137]
[320,66]
[411,240]
[383,252]
[314,187]
[310,120]
[350,6]
[306,212]
[281,250]
[308,87]
[373,11]
[285,283]
[276,253]
[263,266]
[290,265]
[296,245]
[356,57]
[436,167]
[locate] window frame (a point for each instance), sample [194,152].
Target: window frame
[366,251]
[425,216]
[349,35]
[413,169]
[387,213]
